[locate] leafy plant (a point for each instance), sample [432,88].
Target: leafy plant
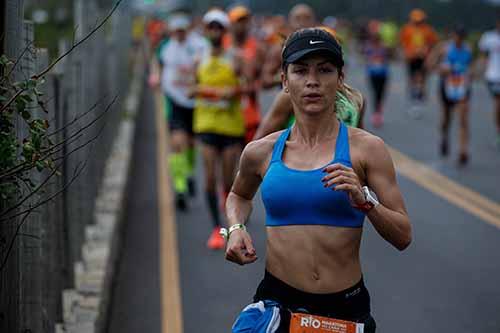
[19,154]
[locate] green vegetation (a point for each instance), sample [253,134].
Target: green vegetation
[58,26]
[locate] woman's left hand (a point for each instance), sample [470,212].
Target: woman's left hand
[342,178]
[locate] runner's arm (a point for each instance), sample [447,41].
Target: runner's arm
[435,56]
[270,75]
[240,249]
[276,117]
[155,70]
[245,185]
[390,218]
[215,93]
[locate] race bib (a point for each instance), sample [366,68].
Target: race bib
[306,323]
[184,76]
[456,87]
[221,104]
[377,60]
[377,64]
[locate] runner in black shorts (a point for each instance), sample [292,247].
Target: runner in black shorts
[181,118]
[318,181]
[453,60]
[221,142]
[218,119]
[416,66]
[417,39]
[179,59]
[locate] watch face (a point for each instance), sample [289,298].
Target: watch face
[372,194]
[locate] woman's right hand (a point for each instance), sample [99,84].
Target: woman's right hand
[240,249]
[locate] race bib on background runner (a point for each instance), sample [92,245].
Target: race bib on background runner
[184,76]
[456,87]
[306,323]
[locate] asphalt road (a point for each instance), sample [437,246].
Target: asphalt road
[444,282]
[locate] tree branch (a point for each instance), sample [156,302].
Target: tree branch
[77,117]
[48,178]
[11,245]
[12,99]
[40,203]
[27,165]
[28,45]
[32,193]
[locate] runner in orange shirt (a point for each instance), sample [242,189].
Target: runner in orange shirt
[156,30]
[417,38]
[249,49]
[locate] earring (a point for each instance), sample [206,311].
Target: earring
[286,90]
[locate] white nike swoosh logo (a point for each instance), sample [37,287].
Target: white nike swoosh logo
[312,42]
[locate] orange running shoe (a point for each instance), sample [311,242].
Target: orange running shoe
[216,241]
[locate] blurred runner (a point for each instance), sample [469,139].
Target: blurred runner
[349,106]
[158,36]
[156,29]
[377,57]
[489,44]
[138,34]
[249,48]
[138,30]
[179,59]
[218,117]
[454,59]
[389,35]
[300,16]
[417,39]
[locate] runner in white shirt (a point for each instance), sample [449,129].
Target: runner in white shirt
[489,44]
[179,60]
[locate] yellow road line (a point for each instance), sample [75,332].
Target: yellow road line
[461,196]
[169,259]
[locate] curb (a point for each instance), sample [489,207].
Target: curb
[87,307]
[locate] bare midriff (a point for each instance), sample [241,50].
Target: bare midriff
[314,258]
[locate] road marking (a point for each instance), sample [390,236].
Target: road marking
[169,259]
[461,196]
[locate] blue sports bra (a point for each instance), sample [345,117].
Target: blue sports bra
[297,197]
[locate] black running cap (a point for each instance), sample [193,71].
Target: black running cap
[305,41]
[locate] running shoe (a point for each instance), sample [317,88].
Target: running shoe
[377,119]
[216,241]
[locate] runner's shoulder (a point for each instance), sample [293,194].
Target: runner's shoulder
[257,153]
[366,143]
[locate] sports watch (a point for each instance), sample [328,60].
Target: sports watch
[371,200]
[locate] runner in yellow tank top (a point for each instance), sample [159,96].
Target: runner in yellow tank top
[218,118]
[213,112]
